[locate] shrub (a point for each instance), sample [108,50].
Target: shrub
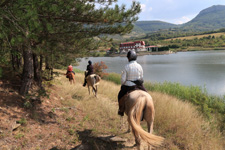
[213,107]
[99,69]
[114,77]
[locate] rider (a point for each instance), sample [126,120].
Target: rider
[90,70]
[131,79]
[69,69]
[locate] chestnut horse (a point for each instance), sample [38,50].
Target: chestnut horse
[71,77]
[93,81]
[138,105]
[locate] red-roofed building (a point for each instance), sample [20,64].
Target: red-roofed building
[136,45]
[152,48]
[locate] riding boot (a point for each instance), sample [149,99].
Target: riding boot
[85,82]
[121,107]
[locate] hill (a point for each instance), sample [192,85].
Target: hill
[211,18]
[152,26]
[69,118]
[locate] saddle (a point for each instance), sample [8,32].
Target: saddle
[94,78]
[70,75]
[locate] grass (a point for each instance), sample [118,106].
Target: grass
[178,120]
[197,36]
[213,107]
[114,77]
[22,121]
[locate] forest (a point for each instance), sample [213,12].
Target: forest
[52,33]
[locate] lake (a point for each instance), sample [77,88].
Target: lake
[200,68]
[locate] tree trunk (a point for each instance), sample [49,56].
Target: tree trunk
[13,60]
[52,73]
[37,75]
[16,60]
[47,66]
[41,63]
[28,71]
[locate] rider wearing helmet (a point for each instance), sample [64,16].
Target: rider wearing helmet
[131,79]
[90,70]
[69,69]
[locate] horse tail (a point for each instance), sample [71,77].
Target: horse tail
[97,79]
[134,118]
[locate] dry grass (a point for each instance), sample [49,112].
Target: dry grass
[183,126]
[179,122]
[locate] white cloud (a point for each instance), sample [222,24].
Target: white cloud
[143,7]
[150,9]
[182,20]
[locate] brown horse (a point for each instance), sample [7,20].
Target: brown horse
[71,77]
[93,80]
[139,104]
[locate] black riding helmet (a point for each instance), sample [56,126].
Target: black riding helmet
[131,55]
[89,62]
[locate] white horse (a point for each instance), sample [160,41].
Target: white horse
[93,81]
[139,104]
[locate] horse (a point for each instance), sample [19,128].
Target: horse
[92,80]
[71,77]
[139,105]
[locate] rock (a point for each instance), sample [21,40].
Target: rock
[55,98]
[110,138]
[15,126]
[118,139]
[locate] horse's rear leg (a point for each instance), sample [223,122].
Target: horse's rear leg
[88,89]
[137,139]
[150,130]
[136,135]
[128,126]
[94,90]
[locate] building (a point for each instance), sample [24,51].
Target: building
[152,48]
[136,45]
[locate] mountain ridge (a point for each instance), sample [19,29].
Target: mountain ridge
[211,18]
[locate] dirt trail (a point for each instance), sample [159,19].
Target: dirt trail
[31,124]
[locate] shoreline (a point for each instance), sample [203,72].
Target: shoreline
[143,53]
[166,52]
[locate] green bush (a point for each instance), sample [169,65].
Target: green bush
[213,107]
[113,77]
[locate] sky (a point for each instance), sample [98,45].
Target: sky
[171,11]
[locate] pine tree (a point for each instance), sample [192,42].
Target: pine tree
[55,29]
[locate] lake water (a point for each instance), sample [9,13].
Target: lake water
[201,68]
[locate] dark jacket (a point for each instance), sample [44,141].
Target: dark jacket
[90,70]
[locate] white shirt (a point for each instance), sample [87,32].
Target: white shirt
[132,71]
